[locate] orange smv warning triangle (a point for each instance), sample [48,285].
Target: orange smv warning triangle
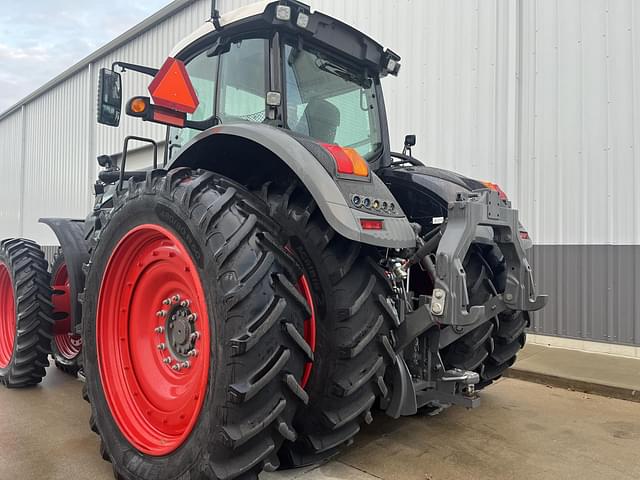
[172,88]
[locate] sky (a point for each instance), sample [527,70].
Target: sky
[41,38]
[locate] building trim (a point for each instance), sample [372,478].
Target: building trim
[588,346]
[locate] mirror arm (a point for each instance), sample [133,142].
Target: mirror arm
[152,72]
[202,124]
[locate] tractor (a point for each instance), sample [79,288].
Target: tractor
[279,275]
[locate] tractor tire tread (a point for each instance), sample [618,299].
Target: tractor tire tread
[29,274]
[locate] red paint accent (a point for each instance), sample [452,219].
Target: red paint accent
[343,162]
[309,327]
[371,224]
[69,345]
[177,120]
[524,235]
[172,87]
[155,407]
[7,317]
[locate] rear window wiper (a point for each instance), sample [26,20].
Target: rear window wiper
[338,71]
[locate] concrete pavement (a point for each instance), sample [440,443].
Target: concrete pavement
[522,431]
[602,374]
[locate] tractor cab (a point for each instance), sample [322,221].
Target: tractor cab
[279,64]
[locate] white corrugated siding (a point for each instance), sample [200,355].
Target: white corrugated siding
[581,129]
[57,156]
[11,178]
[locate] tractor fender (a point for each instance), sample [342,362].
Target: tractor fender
[70,234]
[435,189]
[208,150]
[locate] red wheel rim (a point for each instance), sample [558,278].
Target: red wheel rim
[309,327]
[7,317]
[68,344]
[152,339]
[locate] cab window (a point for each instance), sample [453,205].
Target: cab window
[330,102]
[238,88]
[242,82]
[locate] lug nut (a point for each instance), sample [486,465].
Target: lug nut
[161,346]
[177,367]
[166,301]
[175,298]
[185,303]
[192,317]
[159,329]
[186,364]
[161,313]
[192,353]
[167,360]
[195,335]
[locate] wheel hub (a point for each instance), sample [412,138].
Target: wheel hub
[179,334]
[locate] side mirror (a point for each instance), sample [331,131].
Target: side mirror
[409,141]
[109,97]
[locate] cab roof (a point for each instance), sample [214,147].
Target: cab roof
[333,34]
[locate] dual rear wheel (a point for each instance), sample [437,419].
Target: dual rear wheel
[26,321]
[66,347]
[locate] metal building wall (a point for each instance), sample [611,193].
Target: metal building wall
[11,147]
[580,162]
[57,156]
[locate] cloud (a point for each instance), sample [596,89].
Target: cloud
[40,39]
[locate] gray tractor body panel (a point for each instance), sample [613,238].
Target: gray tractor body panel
[332,194]
[430,190]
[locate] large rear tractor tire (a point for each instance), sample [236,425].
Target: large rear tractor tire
[348,290]
[25,313]
[193,332]
[491,348]
[66,346]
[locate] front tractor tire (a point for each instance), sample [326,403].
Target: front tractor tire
[25,313]
[66,346]
[348,290]
[193,332]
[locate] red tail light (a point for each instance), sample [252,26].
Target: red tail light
[348,161]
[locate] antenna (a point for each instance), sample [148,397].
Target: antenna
[215,14]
